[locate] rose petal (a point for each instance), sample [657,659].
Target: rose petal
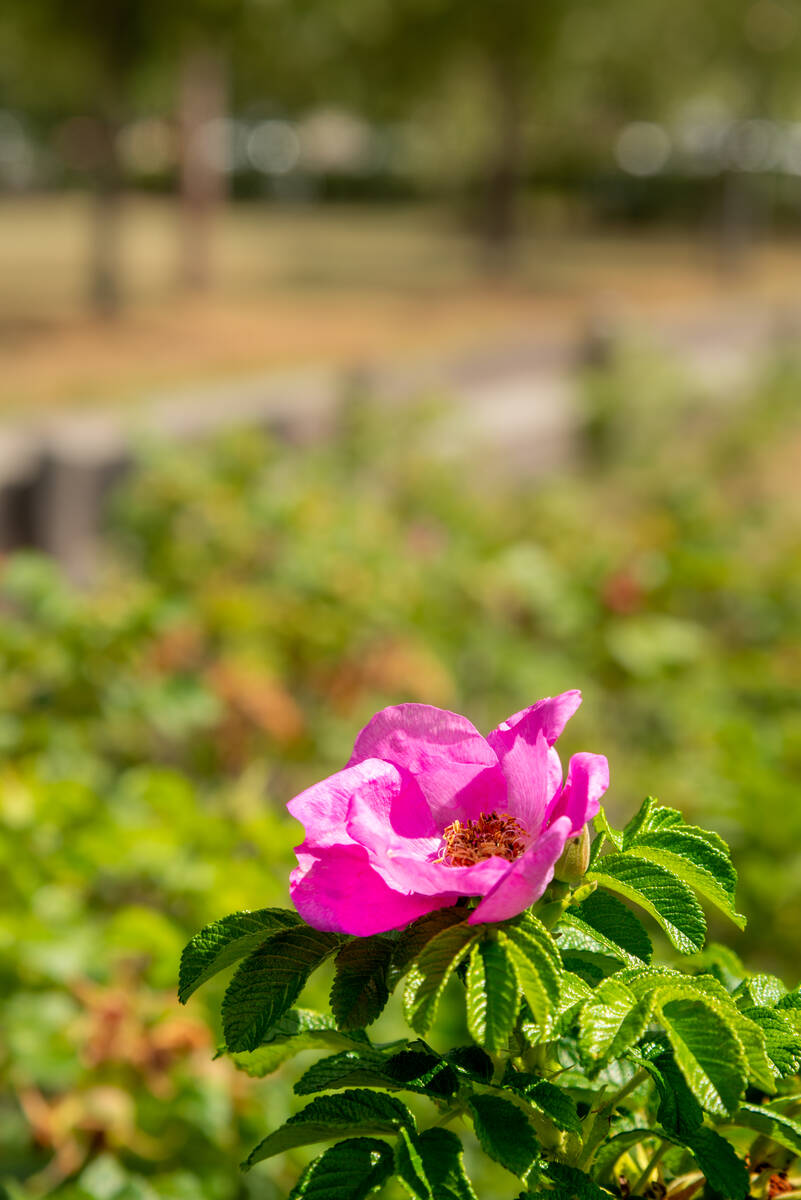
[341,892]
[527,878]
[548,716]
[391,820]
[579,800]
[528,776]
[455,768]
[432,878]
[323,808]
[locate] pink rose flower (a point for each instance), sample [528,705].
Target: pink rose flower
[427,810]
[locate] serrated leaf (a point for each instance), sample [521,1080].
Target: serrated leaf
[766,1120]
[269,982]
[613,1019]
[707,1051]
[765,991]
[602,823]
[699,857]
[660,893]
[607,915]
[362,1067]
[414,1070]
[537,972]
[547,1097]
[431,971]
[679,1111]
[327,1117]
[575,1183]
[409,1167]
[724,1171]
[421,1070]
[473,1062]
[752,1039]
[587,952]
[416,936]
[504,1133]
[351,1170]
[225,942]
[299,1029]
[493,996]
[359,991]
[441,1152]
[782,1043]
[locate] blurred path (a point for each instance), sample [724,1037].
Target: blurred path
[515,401]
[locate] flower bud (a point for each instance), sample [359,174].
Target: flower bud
[572,866]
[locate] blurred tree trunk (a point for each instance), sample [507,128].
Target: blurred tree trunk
[504,176]
[105,291]
[203,94]
[737,222]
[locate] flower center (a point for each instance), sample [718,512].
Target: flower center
[469,842]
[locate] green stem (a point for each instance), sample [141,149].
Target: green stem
[596,1132]
[650,1165]
[449,1116]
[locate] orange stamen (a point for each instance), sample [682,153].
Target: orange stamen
[490,835]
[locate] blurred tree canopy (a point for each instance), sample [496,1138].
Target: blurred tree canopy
[486,95]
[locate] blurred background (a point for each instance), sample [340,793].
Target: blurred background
[353,352]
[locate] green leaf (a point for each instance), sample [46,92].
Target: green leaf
[415,938]
[707,1051]
[299,1029]
[327,1117]
[409,1167]
[431,971]
[493,996]
[751,1036]
[362,1067]
[421,1070]
[782,1043]
[607,915]
[504,1133]
[574,1183]
[473,1062]
[679,1111]
[538,969]
[766,991]
[441,1152]
[225,942]
[724,1171]
[613,1019]
[660,893]
[764,1119]
[611,1151]
[269,981]
[351,1170]
[615,835]
[551,1100]
[700,858]
[359,991]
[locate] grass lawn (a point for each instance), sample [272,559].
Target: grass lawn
[311,285]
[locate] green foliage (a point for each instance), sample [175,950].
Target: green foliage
[625,1059]
[504,1133]
[656,889]
[225,942]
[351,1170]
[430,971]
[256,609]
[269,981]
[359,992]
[327,1117]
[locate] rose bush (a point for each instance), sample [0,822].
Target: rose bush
[592,1071]
[428,811]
